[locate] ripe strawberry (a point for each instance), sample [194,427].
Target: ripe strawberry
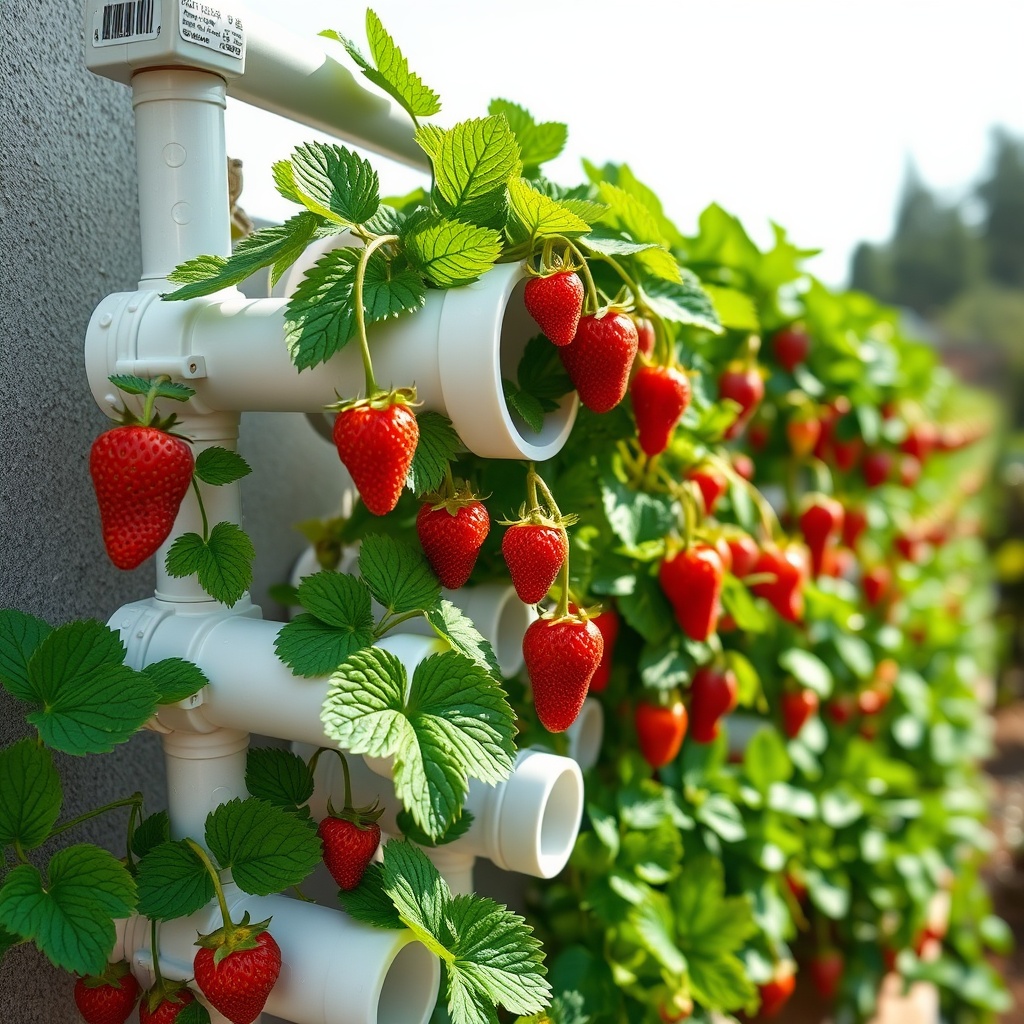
[534,553]
[821,523]
[743,464]
[759,434]
[876,467]
[842,708]
[871,701]
[660,730]
[791,346]
[561,656]
[803,432]
[776,992]
[922,438]
[645,336]
[451,532]
[107,998]
[910,471]
[167,1007]
[140,475]
[692,581]
[855,522]
[376,444]
[745,553]
[713,694]
[608,623]
[745,386]
[350,840]
[660,395]
[826,969]
[785,592]
[555,302]
[236,973]
[846,450]
[797,706]
[712,485]
[600,358]
[876,582]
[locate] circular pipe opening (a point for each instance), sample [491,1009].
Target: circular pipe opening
[410,986]
[506,631]
[586,733]
[560,822]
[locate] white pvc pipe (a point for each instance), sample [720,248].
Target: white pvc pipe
[586,733]
[334,970]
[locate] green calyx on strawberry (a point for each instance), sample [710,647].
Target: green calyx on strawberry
[376,439]
[107,998]
[555,301]
[600,357]
[452,527]
[164,1001]
[140,473]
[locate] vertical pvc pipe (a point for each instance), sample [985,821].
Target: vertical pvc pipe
[182,164]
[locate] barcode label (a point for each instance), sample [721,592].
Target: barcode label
[126,22]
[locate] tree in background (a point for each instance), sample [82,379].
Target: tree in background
[1002,192]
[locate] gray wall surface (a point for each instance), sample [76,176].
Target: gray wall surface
[68,236]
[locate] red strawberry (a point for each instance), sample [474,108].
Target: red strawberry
[838,562]
[745,386]
[759,434]
[140,475]
[712,485]
[785,592]
[608,623]
[350,841]
[876,467]
[743,464]
[876,582]
[692,581]
[855,522]
[745,553]
[600,358]
[555,302]
[841,709]
[776,992]
[561,656]
[376,445]
[821,523]
[797,706]
[826,969]
[660,730]
[910,470]
[167,1007]
[791,346]
[237,983]
[534,553]
[660,395]
[921,440]
[712,694]
[107,998]
[645,336]
[451,533]
[803,432]
[847,448]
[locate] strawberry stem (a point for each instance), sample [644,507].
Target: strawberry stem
[134,801]
[591,303]
[548,496]
[154,386]
[217,888]
[626,279]
[202,508]
[372,389]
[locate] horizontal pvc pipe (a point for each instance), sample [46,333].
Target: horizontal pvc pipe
[295,77]
[334,970]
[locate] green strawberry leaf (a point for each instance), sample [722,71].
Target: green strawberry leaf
[454,723]
[629,214]
[279,246]
[86,701]
[172,882]
[193,1013]
[30,797]
[524,405]
[131,384]
[472,164]
[20,635]
[390,69]
[647,610]
[151,832]
[223,564]
[666,666]
[217,466]
[69,916]
[635,516]
[450,623]
[449,252]
[174,679]
[686,302]
[333,182]
[369,903]
[766,761]
[808,670]
[541,374]
[277,776]
[266,848]
[398,575]
[535,215]
[436,449]
[538,143]
[458,828]
[735,309]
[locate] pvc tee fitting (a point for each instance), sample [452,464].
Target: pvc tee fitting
[333,970]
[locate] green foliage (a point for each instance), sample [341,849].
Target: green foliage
[397,575]
[30,797]
[222,563]
[437,447]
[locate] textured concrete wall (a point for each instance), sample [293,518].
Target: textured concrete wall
[69,235]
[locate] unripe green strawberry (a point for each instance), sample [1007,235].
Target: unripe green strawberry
[376,445]
[140,475]
[555,302]
[451,534]
[349,846]
[534,552]
[660,395]
[108,998]
[600,358]
[239,985]
[561,656]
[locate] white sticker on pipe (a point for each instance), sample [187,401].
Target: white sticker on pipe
[129,22]
[212,26]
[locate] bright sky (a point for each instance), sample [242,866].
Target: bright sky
[800,111]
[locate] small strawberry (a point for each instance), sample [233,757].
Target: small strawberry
[788,566]
[745,553]
[164,1007]
[743,464]
[826,969]
[776,992]
[842,708]
[350,840]
[451,531]
[608,623]
[876,467]
[797,706]
[660,395]
[791,346]
[803,432]
[534,553]
[871,700]
[909,471]
[759,434]
[555,301]
[660,730]
[821,523]
[713,693]
[376,440]
[561,656]
[107,998]
[600,358]
[236,967]
[712,485]
[876,582]
[921,440]
[855,522]
[645,336]
[692,581]
[745,386]
[846,444]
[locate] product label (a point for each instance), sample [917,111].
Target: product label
[125,22]
[210,25]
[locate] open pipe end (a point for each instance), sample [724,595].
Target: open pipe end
[410,986]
